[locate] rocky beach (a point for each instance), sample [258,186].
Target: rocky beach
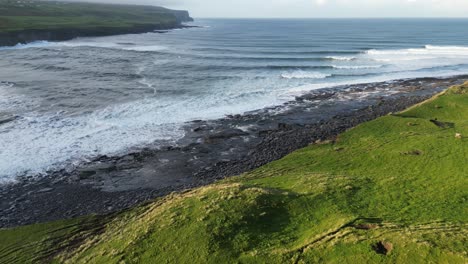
[209,151]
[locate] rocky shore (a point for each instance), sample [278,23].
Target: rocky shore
[63,34]
[211,150]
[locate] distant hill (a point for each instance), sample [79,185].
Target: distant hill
[23,21]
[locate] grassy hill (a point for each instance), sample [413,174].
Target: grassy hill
[392,190]
[24,16]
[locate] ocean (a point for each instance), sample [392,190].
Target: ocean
[71,101]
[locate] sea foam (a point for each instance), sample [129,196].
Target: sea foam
[299,74]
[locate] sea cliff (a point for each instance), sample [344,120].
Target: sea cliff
[58,21]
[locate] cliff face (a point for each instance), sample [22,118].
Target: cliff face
[162,19]
[182,16]
[62,34]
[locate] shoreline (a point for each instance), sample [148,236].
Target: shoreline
[211,150]
[12,39]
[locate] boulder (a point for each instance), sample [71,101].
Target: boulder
[383,247]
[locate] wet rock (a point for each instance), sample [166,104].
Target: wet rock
[286,127]
[101,167]
[86,174]
[45,190]
[263,133]
[128,158]
[6,119]
[228,133]
[202,128]
[316,96]
[234,116]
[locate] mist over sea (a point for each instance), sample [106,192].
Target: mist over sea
[75,100]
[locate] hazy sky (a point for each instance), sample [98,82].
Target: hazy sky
[314,8]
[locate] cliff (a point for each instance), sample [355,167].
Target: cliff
[182,16]
[29,21]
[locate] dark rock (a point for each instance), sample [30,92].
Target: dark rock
[442,124]
[228,133]
[383,247]
[283,126]
[202,128]
[7,119]
[45,190]
[85,174]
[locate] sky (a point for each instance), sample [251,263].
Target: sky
[312,8]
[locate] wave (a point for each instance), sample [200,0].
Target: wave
[112,45]
[35,44]
[305,75]
[372,78]
[4,84]
[432,47]
[356,67]
[426,50]
[340,58]
[146,48]
[74,44]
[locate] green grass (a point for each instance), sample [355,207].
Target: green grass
[401,173]
[47,15]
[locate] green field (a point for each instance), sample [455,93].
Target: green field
[398,181]
[22,15]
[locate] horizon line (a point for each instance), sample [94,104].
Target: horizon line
[330,17]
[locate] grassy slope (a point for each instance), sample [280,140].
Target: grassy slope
[39,15]
[400,172]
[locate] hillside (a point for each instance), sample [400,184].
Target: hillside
[28,20]
[392,190]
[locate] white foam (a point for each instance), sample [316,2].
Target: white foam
[428,51]
[146,48]
[419,58]
[36,44]
[12,102]
[111,45]
[356,67]
[301,90]
[451,48]
[340,58]
[299,74]
[97,43]
[37,143]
